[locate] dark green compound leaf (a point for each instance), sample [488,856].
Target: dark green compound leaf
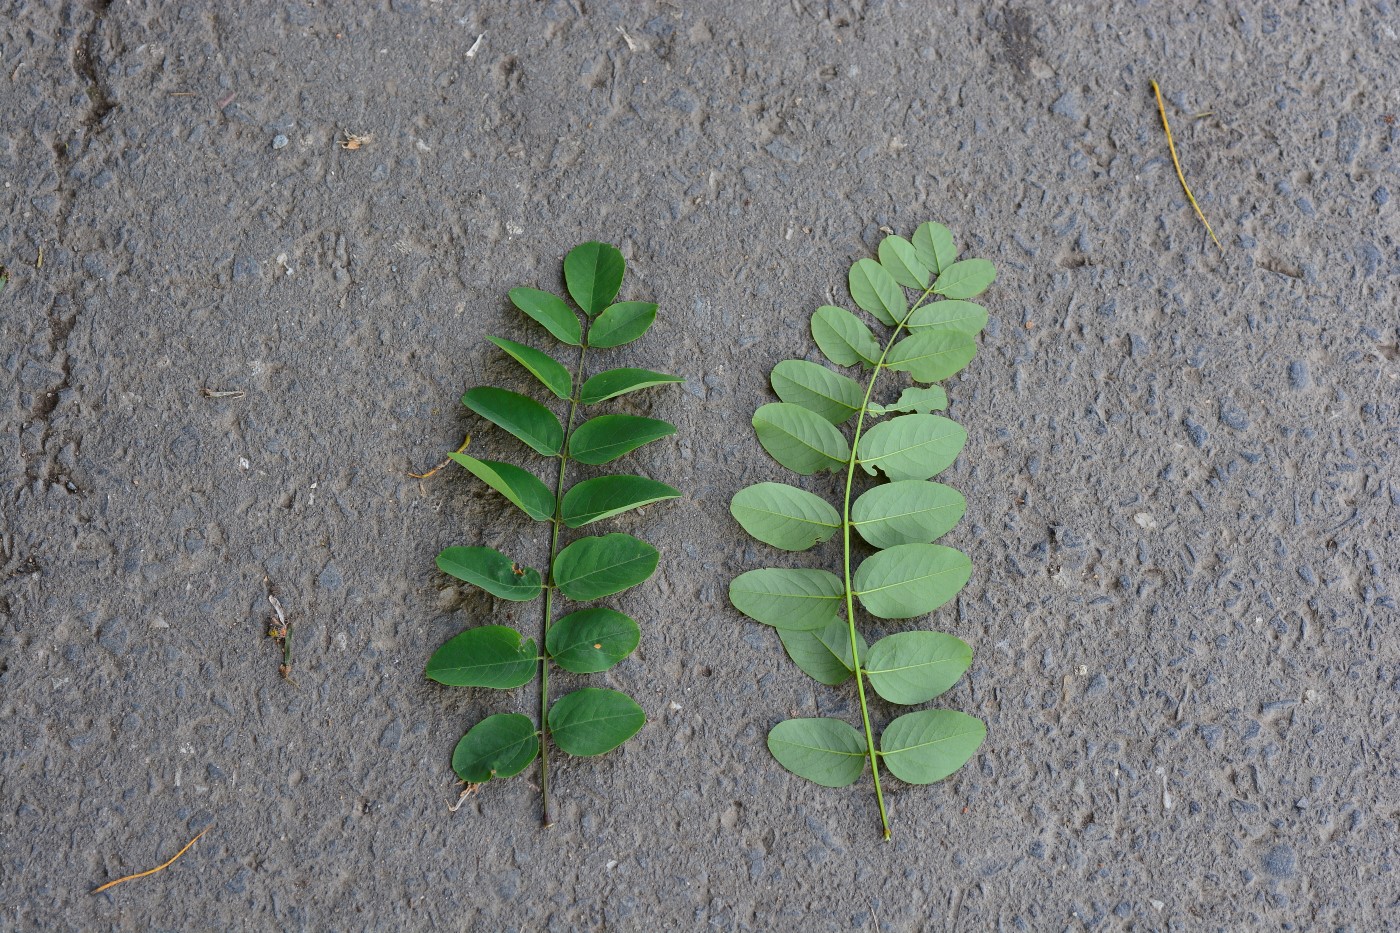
[833,396]
[488,656]
[499,746]
[591,568]
[519,414]
[593,721]
[592,640]
[829,752]
[491,570]
[910,580]
[525,490]
[606,496]
[593,273]
[550,312]
[932,356]
[876,291]
[807,600]
[966,279]
[621,323]
[799,439]
[784,516]
[911,446]
[607,437]
[929,745]
[901,260]
[965,316]
[933,244]
[844,338]
[907,512]
[915,399]
[614,382]
[915,667]
[549,371]
[813,657]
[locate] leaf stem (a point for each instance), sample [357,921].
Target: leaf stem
[576,381]
[846,560]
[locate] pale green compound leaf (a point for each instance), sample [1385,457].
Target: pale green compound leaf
[966,279]
[549,371]
[605,438]
[844,338]
[933,244]
[901,260]
[594,721]
[799,439]
[922,399]
[789,599]
[615,382]
[593,273]
[591,568]
[813,657]
[928,745]
[932,356]
[915,667]
[519,414]
[829,752]
[784,516]
[837,639]
[499,746]
[605,496]
[551,313]
[911,446]
[524,490]
[833,396]
[965,316]
[910,580]
[876,291]
[491,570]
[907,512]
[621,323]
[486,656]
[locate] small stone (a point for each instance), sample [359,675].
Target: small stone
[1280,861]
[279,141]
[1298,376]
[1067,105]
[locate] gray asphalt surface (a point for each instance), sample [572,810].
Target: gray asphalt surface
[1181,469]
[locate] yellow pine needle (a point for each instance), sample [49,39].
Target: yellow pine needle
[161,867]
[1161,108]
[463,449]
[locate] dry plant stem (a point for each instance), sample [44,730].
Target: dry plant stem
[846,563]
[1161,108]
[547,815]
[161,867]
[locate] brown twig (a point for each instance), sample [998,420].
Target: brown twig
[465,443]
[161,867]
[220,393]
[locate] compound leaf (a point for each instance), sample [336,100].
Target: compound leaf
[965,316]
[525,490]
[606,496]
[915,399]
[836,637]
[833,396]
[549,371]
[915,667]
[933,244]
[813,657]
[910,580]
[614,382]
[789,599]
[605,438]
[902,261]
[876,291]
[784,516]
[592,640]
[966,279]
[521,415]
[486,656]
[621,323]
[929,745]
[844,338]
[909,511]
[800,439]
[933,355]
[593,721]
[550,312]
[491,570]
[499,746]
[911,446]
[829,752]
[593,273]
[591,568]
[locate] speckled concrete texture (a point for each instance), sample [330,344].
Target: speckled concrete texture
[1181,469]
